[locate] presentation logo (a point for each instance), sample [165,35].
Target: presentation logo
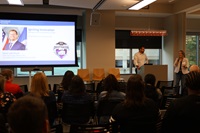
[60,49]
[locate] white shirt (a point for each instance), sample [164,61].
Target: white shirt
[184,66]
[140,59]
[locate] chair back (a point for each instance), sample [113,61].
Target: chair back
[90,88]
[24,88]
[169,94]
[105,108]
[84,74]
[98,74]
[58,90]
[49,86]
[77,113]
[166,100]
[115,72]
[161,84]
[168,91]
[52,109]
[91,128]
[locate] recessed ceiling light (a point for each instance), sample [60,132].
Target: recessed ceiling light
[15,2]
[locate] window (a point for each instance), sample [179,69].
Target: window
[123,57]
[122,60]
[192,48]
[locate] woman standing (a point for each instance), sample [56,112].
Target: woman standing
[181,66]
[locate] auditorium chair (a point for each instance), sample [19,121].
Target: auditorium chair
[98,74]
[84,74]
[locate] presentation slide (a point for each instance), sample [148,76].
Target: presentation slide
[26,42]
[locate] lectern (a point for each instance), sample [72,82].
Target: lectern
[160,71]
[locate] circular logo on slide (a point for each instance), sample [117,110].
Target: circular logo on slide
[60,49]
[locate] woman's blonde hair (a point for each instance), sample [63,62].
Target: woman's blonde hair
[39,85]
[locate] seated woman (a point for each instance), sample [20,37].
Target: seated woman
[65,83]
[78,105]
[9,85]
[150,90]
[66,80]
[39,88]
[6,98]
[108,98]
[136,113]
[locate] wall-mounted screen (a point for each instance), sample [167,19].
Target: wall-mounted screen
[37,40]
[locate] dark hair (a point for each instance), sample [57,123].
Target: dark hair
[183,53]
[27,115]
[77,86]
[141,46]
[150,79]
[110,83]
[135,91]
[192,80]
[67,78]
[2,83]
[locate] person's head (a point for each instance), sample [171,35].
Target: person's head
[110,83]
[39,85]
[135,91]
[141,49]
[194,68]
[150,79]
[13,35]
[8,74]
[181,54]
[66,81]
[77,86]
[2,83]
[192,82]
[28,115]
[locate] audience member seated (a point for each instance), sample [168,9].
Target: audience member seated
[111,93]
[137,114]
[75,101]
[28,115]
[9,86]
[182,115]
[67,78]
[150,90]
[39,88]
[6,98]
[194,68]
[64,85]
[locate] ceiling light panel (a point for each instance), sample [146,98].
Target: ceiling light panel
[33,2]
[117,4]
[87,4]
[141,4]
[15,2]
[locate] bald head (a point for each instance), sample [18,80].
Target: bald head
[194,68]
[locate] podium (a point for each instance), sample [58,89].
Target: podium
[160,71]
